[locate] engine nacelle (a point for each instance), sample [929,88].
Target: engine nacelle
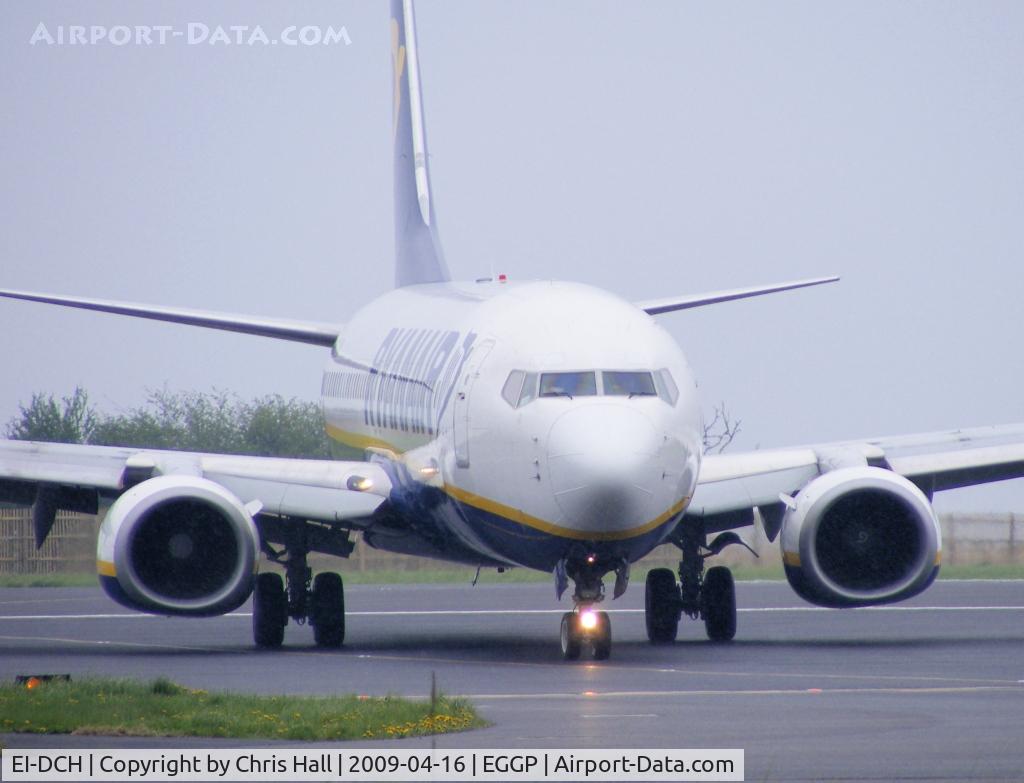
[860,536]
[178,545]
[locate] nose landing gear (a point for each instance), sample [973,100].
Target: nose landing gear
[586,627]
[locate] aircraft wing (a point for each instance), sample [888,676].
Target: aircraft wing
[76,477]
[311,332]
[673,303]
[733,485]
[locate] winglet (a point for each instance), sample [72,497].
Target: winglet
[418,255]
[658,306]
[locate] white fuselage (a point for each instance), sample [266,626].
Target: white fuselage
[458,389]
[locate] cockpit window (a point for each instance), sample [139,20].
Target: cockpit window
[667,389]
[513,386]
[522,388]
[529,392]
[628,384]
[568,384]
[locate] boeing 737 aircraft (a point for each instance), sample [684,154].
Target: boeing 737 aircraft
[545,425]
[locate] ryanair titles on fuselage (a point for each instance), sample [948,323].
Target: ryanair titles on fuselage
[410,382]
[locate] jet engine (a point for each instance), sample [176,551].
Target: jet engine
[859,536]
[178,545]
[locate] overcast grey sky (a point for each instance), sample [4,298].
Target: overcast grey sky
[650,148]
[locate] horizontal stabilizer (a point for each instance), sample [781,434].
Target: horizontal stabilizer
[658,306]
[279,328]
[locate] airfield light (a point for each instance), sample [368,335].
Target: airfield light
[360,483]
[33,681]
[588,620]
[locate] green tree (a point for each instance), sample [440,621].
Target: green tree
[214,421]
[73,420]
[219,422]
[139,427]
[278,427]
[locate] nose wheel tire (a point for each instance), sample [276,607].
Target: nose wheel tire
[574,637]
[718,604]
[328,610]
[602,640]
[570,636]
[661,606]
[269,611]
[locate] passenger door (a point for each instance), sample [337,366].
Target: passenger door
[470,372]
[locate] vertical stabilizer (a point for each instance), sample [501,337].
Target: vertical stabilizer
[418,256]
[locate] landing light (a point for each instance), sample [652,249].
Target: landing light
[33,681]
[359,483]
[588,620]
[591,559]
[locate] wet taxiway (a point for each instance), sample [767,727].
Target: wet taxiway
[932,689]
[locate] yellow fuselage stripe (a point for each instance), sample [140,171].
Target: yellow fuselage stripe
[522,518]
[358,441]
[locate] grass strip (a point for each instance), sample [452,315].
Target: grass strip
[161,708]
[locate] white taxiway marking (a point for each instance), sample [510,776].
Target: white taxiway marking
[740,692]
[470,612]
[847,676]
[46,601]
[104,642]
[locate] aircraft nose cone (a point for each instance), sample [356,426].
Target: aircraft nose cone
[603,466]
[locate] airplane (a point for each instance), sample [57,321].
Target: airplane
[496,423]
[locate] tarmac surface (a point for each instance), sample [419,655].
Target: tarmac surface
[931,689]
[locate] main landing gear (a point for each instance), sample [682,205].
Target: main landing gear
[319,601]
[708,596]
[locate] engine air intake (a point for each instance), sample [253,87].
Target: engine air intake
[179,545]
[860,536]
[184,549]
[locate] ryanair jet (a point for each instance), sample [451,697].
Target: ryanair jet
[545,425]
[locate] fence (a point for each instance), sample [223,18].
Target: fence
[71,546]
